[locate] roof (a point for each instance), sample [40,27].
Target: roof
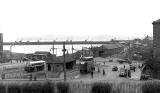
[42,52]
[156,22]
[60,59]
[112,46]
[34,62]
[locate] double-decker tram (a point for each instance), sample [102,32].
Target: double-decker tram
[34,66]
[86,64]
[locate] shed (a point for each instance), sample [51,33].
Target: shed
[58,62]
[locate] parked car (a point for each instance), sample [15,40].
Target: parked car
[132,67]
[145,77]
[122,72]
[110,60]
[121,60]
[115,68]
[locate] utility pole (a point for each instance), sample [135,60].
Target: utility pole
[64,62]
[129,51]
[53,49]
[72,48]
[11,52]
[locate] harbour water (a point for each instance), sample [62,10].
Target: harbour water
[58,48]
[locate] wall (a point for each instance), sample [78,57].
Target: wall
[156,39]
[1,47]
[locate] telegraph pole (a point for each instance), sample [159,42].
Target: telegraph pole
[11,52]
[53,49]
[72,48]
[64,62]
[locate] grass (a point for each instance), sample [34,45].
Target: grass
[151,87]
[14,88]
[62,87]
[2,88]
[32,88]
[82,87]
[100,87]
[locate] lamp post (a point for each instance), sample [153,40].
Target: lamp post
[11,52]
[64,62]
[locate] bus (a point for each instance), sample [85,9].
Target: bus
[34,66]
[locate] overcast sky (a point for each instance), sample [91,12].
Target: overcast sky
[74,19]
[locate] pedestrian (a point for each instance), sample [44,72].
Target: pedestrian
[3,76]
[91,74]
[30,77]
[134,68]
[98,70]
[35,77]
[129,73]
[104,72]
[124,66]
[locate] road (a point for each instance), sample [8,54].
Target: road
[103,63]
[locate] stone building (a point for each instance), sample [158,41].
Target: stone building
[107,50]
[56,65]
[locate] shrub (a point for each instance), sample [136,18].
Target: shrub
[32,88]
[62,87]
[101,88]
[2,88]
[48,88]
[151,87]
[14,88]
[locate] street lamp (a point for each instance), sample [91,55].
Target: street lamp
[11,52]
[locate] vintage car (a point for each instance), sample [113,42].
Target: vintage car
[122,72]
[114,68]
[110,60]
[132,67]
[121,60]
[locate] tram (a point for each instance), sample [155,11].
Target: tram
[34,66]
[86,64]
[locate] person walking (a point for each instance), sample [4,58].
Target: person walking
[98,70]
[91,74]
[104,72]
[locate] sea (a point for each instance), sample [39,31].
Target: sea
[33,48]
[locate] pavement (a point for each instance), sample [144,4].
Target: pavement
[109,74]
[101,63]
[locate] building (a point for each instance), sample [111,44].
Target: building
[40,55]
[1,47]
[56,65]
[156,39]
[107,50]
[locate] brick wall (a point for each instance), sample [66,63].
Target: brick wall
[1,47]
[156,38]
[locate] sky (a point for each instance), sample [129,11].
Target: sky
[77,19]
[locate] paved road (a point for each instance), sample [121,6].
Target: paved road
[110,75]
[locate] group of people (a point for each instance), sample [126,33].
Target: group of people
[92,72]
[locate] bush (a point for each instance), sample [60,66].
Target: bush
[151,87]
[2,88]
[101,88]
[32,88]
[48,88]
[62,87]
[14,88]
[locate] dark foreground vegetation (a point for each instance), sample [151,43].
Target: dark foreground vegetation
[81,87]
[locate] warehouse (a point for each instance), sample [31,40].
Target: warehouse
[107,50]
